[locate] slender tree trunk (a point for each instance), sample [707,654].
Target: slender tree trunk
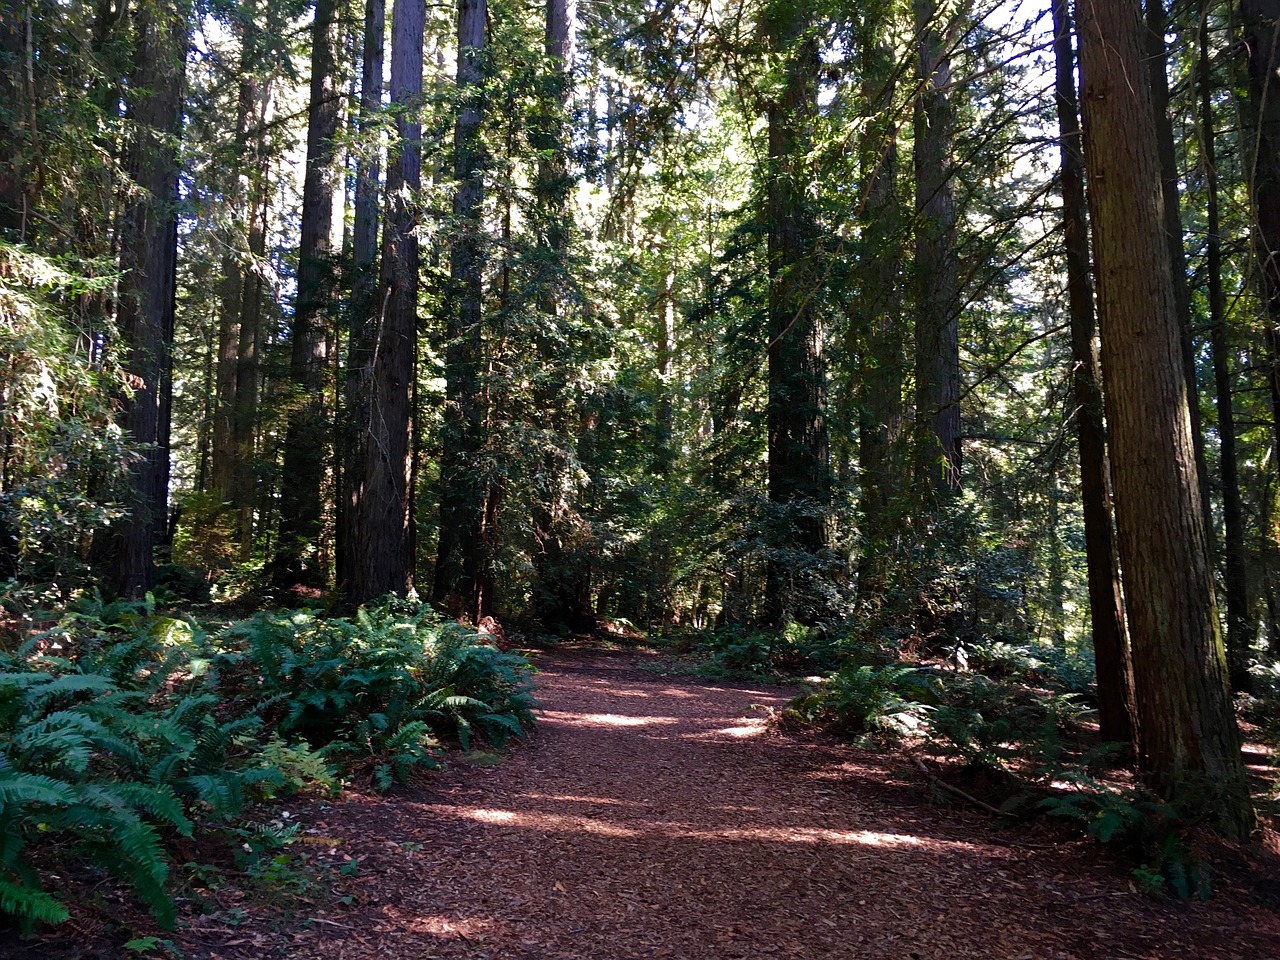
[148,261]
[879,325]
[1188,746]
[306,439]
[1261,148]
[384,561]
[364,289]
[231,293]
[13,177]
[244,480]
[936,267]
[1106,606]
[1240,626]
[799,482]
[460,576]
[562,590]
[664,436]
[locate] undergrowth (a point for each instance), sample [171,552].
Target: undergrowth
[735,651]
[1014,712]
[123,729]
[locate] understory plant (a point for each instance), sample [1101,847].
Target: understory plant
[121,729]
[1016,711]
[374,693]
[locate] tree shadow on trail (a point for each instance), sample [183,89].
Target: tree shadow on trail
[649,818]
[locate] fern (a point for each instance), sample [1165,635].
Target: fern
[356,689]
[30,906]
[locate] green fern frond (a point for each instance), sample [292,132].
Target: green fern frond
[30,905]
[18,789]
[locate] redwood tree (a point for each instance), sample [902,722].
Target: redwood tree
[937,280]
[383,556]
[306,442]
[1188,746]
[1106,606]
[148,262]
[467,501]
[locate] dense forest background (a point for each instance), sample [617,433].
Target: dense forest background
[769,319]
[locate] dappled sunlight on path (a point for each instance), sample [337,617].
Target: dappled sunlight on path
[651,818]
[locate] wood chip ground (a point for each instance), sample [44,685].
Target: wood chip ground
[655,817]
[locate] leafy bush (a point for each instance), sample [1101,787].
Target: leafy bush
[1036,663]
[375,692]
[100,758]
[884,701]
[993,724]
[59,420]
[120,727]
[732,651]
[1140,826]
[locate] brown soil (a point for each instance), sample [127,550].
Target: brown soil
[653,817]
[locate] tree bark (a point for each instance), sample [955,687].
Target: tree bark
[879,324]
[1188,745]
[231,294]
[1106,605]
[464,502]
[1261,36]
[148,262]
[306,439]
[13,198]
[1157,63]
[798,450]
[562,588]
[936,268]
[364,288]
[384,559]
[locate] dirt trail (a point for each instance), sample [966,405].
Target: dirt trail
[654,817]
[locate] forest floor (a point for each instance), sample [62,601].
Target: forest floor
[653,816]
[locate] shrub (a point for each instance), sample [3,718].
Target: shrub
[120,727]
[882,701]
[1138,825]
[374,693]
[101,756]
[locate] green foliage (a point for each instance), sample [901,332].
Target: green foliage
[885,702]
[80,766]
[999,725]
[733,650]
[1069,672]
[57,424]
[120,726]
[374,693]
[1141,827]
[1013,720]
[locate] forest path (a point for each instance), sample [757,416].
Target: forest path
[653,817]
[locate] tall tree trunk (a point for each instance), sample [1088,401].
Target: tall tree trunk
[1158,67]
[231,293]
[1261,29]
[364,287]
[13,199]
[1106,605]
[384,560]
[306,439]
[1188,746]
[1240,626]
[148,262]
[460,575]
[799,482]
[879,324]
[252,333]
[936,268]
